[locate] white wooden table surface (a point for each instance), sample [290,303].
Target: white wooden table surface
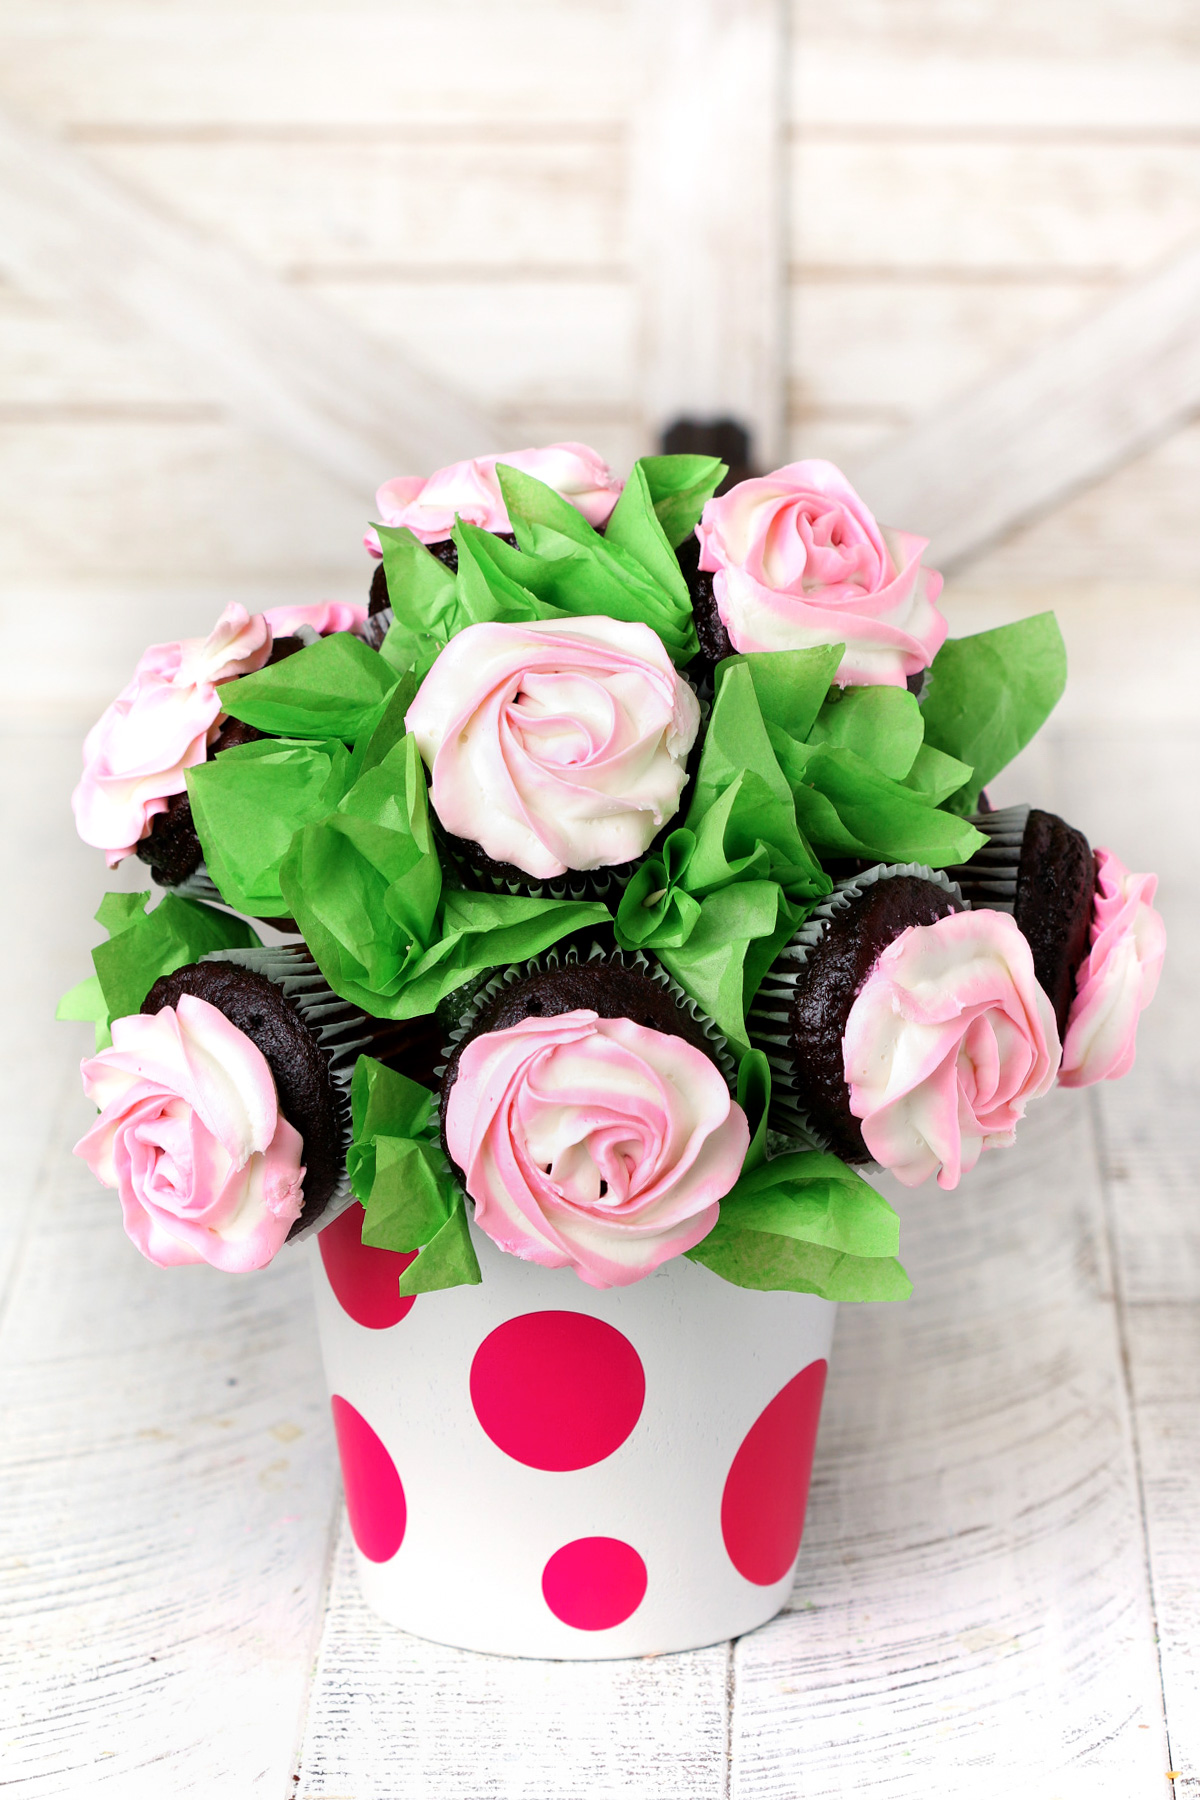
[999,1588]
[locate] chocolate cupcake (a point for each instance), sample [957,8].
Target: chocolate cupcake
[587,1112]
[1042,871]
[311,1041]
[905,1027]
[559,752]
[800,1013]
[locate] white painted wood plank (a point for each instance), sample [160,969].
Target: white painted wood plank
[168,1486]
[847,87]
[892,204]
[1076,407]
[476,203]
[891,349]
[707,213]
[391,1714]
[137,497]
[972,1596]
[273,355]
[1068,31]
[1164,1354]
[1140,784]
[366,61]
[565,344]
[1137,525]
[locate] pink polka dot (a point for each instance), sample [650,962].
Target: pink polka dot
[594,1583]
[766,1490]
[364,1280]
[374,1496]
[557,1390]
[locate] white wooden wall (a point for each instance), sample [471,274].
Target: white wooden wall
[960,180]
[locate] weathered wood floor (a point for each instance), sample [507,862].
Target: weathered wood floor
[999,1589]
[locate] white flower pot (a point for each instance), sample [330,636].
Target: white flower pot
[534,1467]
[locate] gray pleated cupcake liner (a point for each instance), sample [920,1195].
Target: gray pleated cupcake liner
[473,1003]
[990,878]
[768,1020]
[342,1030]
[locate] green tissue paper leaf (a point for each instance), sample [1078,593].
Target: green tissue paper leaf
[630,574]
[395,1161]
[448,1260]
[805,1222]
[990,693]
[679,487]
[655,912]
[369,752]
[365,887]
[882,725]
[935,776]
[364,883]
[736,938]
[754,1098]
[790,685]
[142,946]
[85,1002]
[846,808]
[248,803]
[634,525]
[743,810]
[335,688]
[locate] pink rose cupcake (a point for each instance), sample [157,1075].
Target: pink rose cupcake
[904,1029]
[794,559]
[1096,938]
[586,1109]
[132,795]
[224,1107]
[429,504]
[558,750]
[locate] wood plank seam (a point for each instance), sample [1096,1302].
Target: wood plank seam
[1120,1310]
[347,405]
[64,1102]
[317,1633]
[1083,402]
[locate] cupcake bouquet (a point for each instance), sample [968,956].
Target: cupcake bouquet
[631,887]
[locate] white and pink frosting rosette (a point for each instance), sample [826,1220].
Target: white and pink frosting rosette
[798,561]
[947,1041]
[429,504]
[167,715]
[325,617]
[160,724]
[595,1144]
[554,745]
[191,1136]
[1118,977]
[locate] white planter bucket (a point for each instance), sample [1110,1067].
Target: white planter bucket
[537,1468]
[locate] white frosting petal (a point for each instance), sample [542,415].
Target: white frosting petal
[560,744]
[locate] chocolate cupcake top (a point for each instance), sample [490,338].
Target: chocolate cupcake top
[821,985]
[299,1066]
[1042,870]
[1056,886]
[910,1029]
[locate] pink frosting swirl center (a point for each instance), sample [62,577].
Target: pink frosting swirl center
[1118,977]
[948,1040]
[798,560]
[595,1144]
[560,744]
[191,1136]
